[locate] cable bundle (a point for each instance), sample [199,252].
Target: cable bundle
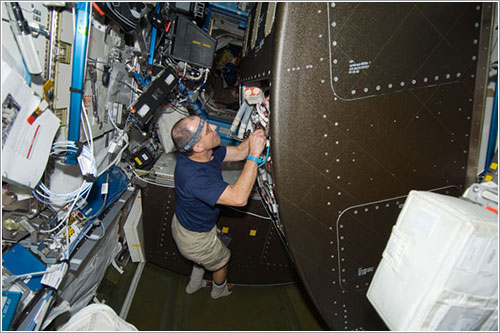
[87,165]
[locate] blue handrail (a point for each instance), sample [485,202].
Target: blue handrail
[78,72]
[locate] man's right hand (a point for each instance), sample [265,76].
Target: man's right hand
[257,142]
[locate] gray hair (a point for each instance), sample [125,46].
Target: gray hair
[181,135]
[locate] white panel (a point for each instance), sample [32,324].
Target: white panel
[133,230]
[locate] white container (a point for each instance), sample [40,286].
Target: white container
[439,270]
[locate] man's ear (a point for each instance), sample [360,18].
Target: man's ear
[197,148]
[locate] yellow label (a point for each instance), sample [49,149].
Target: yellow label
[253,232]
[207,45]
[488,178]
[196,42]
[138,160]
[71,232]
[225,230]
[493,166]
[136,245]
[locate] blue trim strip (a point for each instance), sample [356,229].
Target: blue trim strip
[493,129]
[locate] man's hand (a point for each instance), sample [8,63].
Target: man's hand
[237,195]
[257,142]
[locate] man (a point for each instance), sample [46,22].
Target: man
[199,187]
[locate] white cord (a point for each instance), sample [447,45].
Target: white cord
[150,182]
[250,213]
[117,158]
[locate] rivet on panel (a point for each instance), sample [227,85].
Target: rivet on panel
[334,43]
[325,135]
[339,193]
[476,25]
[338,177]
[474,58]
[322,81]
[336,123]
[475,41]
[337,160]
[327,171]
[365,90]
[320,36]
[337,142]
[389,85]
[377,87]
[334,24]
[436,77]
[413,81]
[319,11]
[459,74]
[333,4]
[324,116]
[335,79]
[402,84]
[335,61]
[353,91]
[326,153]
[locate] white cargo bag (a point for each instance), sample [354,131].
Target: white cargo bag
[439,270]
[97,317]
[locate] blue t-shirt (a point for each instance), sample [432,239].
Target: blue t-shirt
[198,186]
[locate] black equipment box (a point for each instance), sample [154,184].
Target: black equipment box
[144,107]
[192,44]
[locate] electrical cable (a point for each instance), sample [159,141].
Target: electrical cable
[151,182]
[251,214]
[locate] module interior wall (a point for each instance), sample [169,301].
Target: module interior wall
[369,101]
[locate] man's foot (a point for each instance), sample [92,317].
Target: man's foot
[222,290]
[193,286]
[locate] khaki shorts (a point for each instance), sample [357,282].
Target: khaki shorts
[204,248]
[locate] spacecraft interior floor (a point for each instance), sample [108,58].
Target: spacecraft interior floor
[161,304]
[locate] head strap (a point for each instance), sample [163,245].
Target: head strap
[195,137]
